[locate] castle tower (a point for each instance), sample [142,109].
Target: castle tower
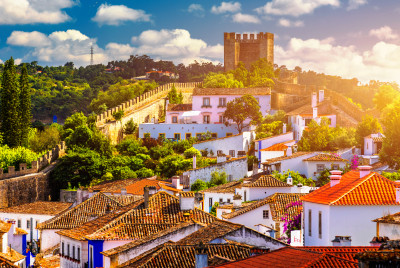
[247,49]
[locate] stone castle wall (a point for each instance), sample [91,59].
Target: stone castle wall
[146,108]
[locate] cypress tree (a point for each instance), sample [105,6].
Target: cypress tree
[10,126]
[25,104]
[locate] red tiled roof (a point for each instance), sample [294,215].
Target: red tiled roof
[39,207]
[325,157]
[231,91]
[372,189]
[292,257]
[4,226]
[277,147]
[6,264]
[265,181]
[137,188]
[347,253]
[179,107]
[274,136]
[282,158]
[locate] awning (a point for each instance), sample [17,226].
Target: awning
[190,113]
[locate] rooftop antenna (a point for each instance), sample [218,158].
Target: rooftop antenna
[91,55]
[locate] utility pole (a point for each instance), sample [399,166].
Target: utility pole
[91,55]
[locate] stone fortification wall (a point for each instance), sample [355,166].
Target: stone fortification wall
[37,165]
[144,99]
[144,109]
[345,105]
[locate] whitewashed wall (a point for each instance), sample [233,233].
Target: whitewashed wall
[268,142]
[390,230]
[215,198]
[66,263]
[257,193]
[312,167]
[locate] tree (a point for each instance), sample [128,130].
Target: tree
[25,104]
[241,109]
[189,153]
[10,110]
[261,74]
[386,95]
[130,127]
[390,152]
[198,185]
[174,97]
[118,115]
[218,178]
[214,80]
[317,137]
[367,126]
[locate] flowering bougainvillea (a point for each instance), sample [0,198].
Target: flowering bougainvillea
[292,222]
[354,162]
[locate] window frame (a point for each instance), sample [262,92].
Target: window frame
[208,121]
[309,222]
[265,214]
[174,119]
[206,102]
[320,224]
[222,102]
[160,135]
[232,153]
[179,136]
[319,166]
[188,135]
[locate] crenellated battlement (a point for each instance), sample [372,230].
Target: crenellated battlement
[140,101]
[248,37]
[37,165]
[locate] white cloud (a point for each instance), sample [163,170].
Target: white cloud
[384,33]
[115,51]
[294,8]
[354,4]
[1,61]
[196,9]
[117,14]
[28,39]
[289,23]
[17,61]
[226,7]
[381,62]
[34,11]
[245,18]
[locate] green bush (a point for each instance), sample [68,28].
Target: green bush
[198,185]
[189,153]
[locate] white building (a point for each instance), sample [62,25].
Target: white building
[388,226]
[267,212]
[318,163]
[232,145]
[12,244]
[223,194]
[292,161]
[261,144]
[346,206]
[28,216]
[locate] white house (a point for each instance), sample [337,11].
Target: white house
[28,216]
[13,244]
[318,163]
[292,161]
[223,194]
[388,226]
[373,144]
[261,144]
[268,212]
[346,206]
[319,109]
[231,145]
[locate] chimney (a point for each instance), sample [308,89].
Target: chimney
[335,177]
[146,196]
[364,170]
[237,201]
[186,200]
[321,95]
[284,128]
[314,99]
[123,191]
[314,112]
[201,256]
[289,179]
[341,241]
[289,151]
[194,161]
[176,182]
[397,194]
[152,190]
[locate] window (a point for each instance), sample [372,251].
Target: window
[230,178]
[335,166]
[309,222]
[229,200]
[62,248]
[177,136]
[161,136]
[229,134]
[198,136]
[174,119]
[68,250]
[206,102]
[232,153]
[220,200]
[28,224]
[73,252]
[222,102]
[188,136]
[320,167]
[219,152]
[265,214]
[245,196]
[320,224]
[19,223]
[78,255]
[206,119]
[210,201]
[214,135]
[146,135]
[221,119]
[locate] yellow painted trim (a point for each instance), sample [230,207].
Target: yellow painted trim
[178,134]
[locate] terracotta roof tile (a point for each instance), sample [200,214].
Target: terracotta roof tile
[231,91]
[49,262]
[282,158]
[347,253]
[265,181]
[392,218]
[6,264]
[182,256]
[325,157]
[19,231]
[292,257]
[11,255]
[137,188]
[113,186]
[179,107]
[4,226]
[38,208]
[278,147]
[95,206]
[187,194]
[278,204]
[224,188]
[372,189]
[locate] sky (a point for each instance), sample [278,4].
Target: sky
[349,38]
